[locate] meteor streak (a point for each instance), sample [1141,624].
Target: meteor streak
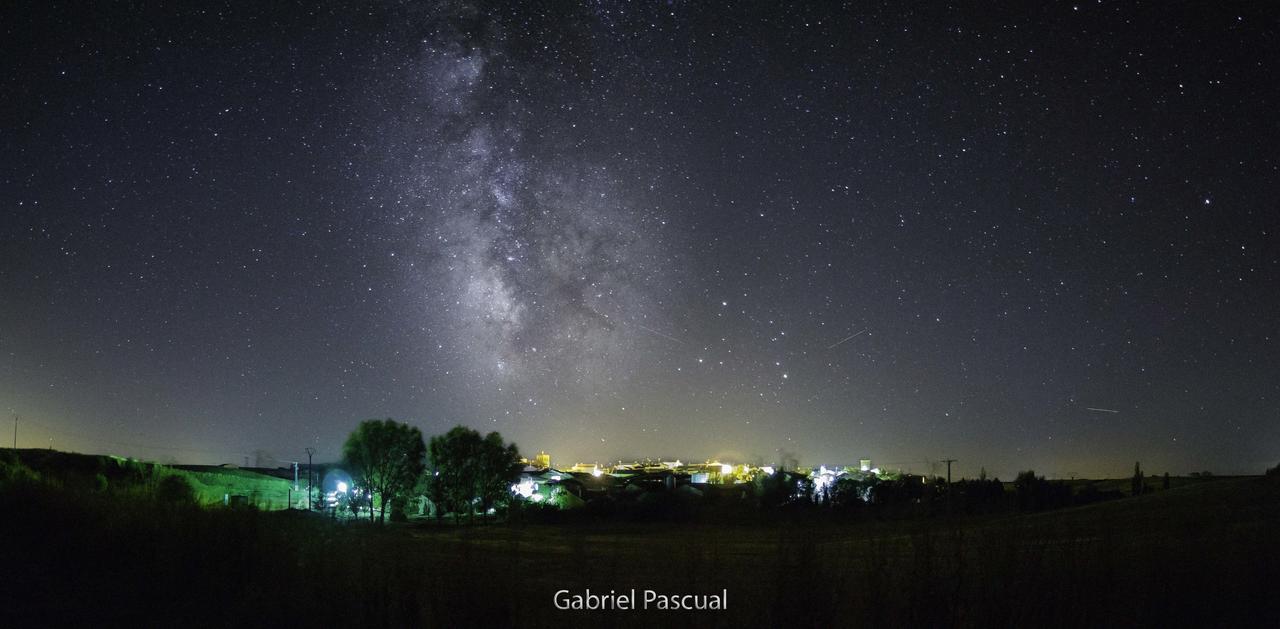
[665,336]
[843,340]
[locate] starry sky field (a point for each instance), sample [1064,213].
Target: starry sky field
[1020,235]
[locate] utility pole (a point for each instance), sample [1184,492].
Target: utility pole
[948,462]
[310,451]
[15,431]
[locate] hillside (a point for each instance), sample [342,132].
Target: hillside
[210,484]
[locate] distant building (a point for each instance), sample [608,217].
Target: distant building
[543,460]
[864,465]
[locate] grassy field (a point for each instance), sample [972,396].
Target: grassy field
[1201,554]
[1207,553]
[210,484]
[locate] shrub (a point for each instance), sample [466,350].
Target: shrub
[398,511]
[13,471]
[175,490]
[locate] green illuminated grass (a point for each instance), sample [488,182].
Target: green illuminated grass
[209,484]
[266,492]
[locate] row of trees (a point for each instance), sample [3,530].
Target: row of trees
[904,496]
[460,470]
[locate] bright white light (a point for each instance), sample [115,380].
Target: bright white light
[822,481]
[536,497]
[342,487]
[726,469]
[595,471]
[525,488]
[768,469]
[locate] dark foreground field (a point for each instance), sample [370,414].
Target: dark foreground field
[1205,554]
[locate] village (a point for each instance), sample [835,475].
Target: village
[573,486]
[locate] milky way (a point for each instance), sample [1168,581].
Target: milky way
[542,271]
[1023,237]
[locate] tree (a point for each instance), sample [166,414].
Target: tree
[386,458]
[470,470]
[1137,483]
[774,490]
[1034,493]
[501,463]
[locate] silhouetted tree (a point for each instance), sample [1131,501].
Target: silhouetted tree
[470,470]
[774,490]
[1137,482]
[899,496]
[1024,489]
[500,463]
[386,457]
[847,493]
[1034,493]
[1164,482]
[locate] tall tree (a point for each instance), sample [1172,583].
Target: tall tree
[386,457]
[470,470]
[501,465]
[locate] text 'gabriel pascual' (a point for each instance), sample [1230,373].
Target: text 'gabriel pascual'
[628,600]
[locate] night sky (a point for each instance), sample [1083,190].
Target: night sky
[1019,236]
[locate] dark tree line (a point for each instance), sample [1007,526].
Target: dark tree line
[461,470]
[471,472]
